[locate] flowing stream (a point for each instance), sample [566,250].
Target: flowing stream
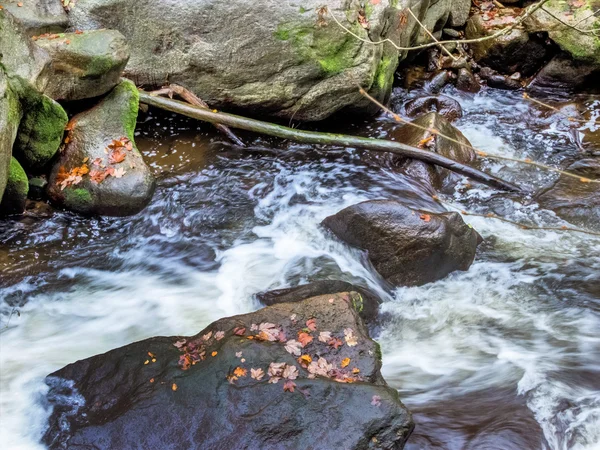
[504,356]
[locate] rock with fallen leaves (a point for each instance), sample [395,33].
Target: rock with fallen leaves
[39,16]
[576,200]
[99,170]
[10,115]
[428,174]
[364,301]
[83,64]
[407,247]
[254,393]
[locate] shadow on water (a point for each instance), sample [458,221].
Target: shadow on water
[504,356]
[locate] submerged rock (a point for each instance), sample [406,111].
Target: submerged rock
[516,51]
[41,129]
[365,302]
[434,176]
[407,247]
[280,58]
[39,16]
[84,65]
[15,194]
[240,383]
[100,171]
[10,115]
[574,199]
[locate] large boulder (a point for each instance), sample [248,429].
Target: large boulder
[41,129]
[10,115]
[575,199]
[15,194]
[100,171]
[564,76]
[293,375]
[407,247]
[280,58]
[39,16]
[364,301]
[440,14]
[458,149]
[515,51]
[19,55]
[84,64]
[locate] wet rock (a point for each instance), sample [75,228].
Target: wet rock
[41,130]
[443,14]
[516,51]
[15,194]
[438,82]
[467,82]
[10,115]
[92,178]
[564,76]
[37,188]
[289,65]
[19,56]
[407,247]
[39,16]
[199,392]
[573,200]
[84,65]
[498,81]
[365,302]
[443,105]
[433,176]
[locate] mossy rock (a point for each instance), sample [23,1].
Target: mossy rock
[84,64]
[41,129]
[91,133]
[17,188]
[10,116]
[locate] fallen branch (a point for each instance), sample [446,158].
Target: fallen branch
[192,99]
[312,137]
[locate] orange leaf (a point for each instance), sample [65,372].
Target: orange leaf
[345,362]
[213,354]
[304,338]
[116,156]
[425,141]
[289,386]
[425,217]
[174,387]
[240,372]
[304,360]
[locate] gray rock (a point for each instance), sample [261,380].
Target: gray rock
[87,154]
[365,302]
[407,247]
[84,65]
[447,107]
[198,392]
[39,16]
[466,81]
[564,76]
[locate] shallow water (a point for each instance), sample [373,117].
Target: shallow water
[504,356]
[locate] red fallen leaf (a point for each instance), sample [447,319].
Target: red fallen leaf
[185,361]
[304,338]
[425,217]
[289,386]
[335,343]
[78,32]
[375,2]
[239,331]
[311,324]
[98,176]
[116,156]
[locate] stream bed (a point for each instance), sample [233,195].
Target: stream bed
[503,356]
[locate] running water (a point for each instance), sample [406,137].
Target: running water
[504,356]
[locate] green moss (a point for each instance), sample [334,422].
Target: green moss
[127,95]
[357,302]
[99,65]
[282,33]
[303,10]
[384,76]
[17,188]
[378,353]
[78,199]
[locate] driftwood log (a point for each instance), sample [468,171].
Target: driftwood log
[319,138]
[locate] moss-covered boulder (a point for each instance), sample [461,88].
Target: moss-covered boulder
[14,198]
[515,51]
[10,115]
[581,40]
[41,129]
[19,55]
[287,59]
[100,171]
[39,16]
[84,64]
